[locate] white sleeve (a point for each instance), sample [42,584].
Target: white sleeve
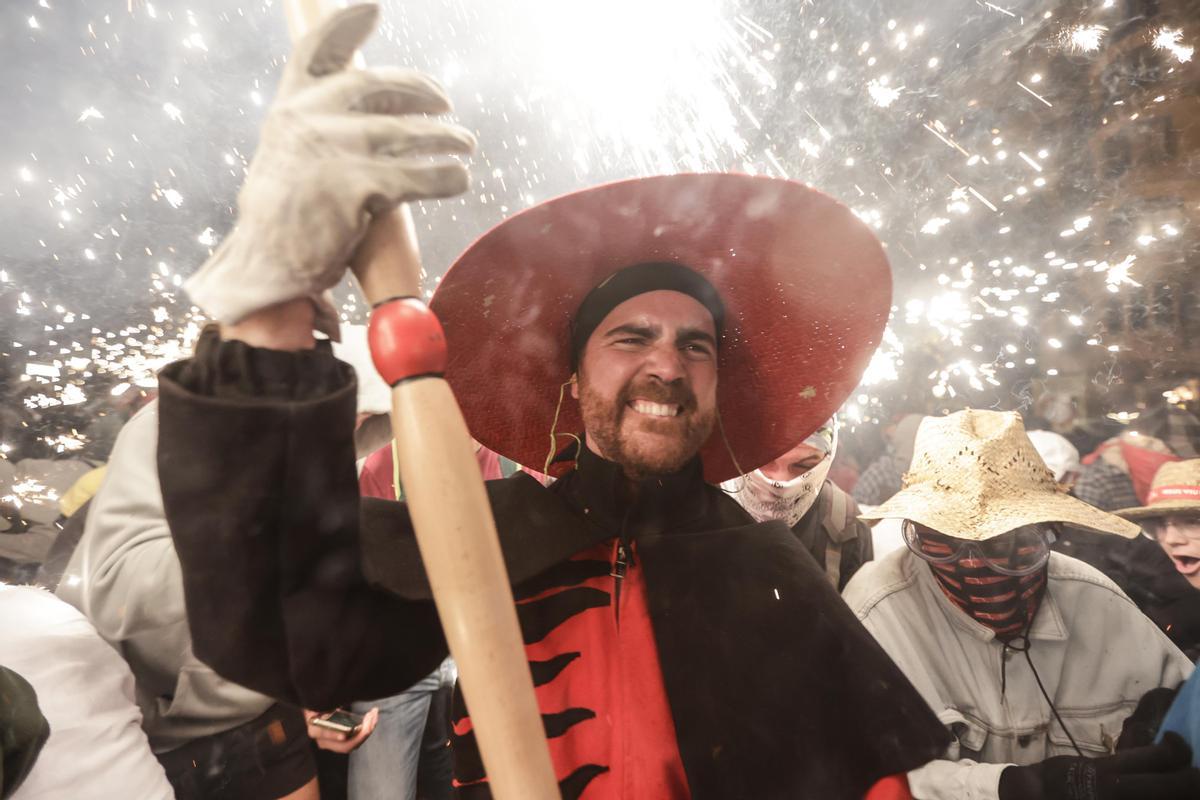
[125,576]
[956,780]
[97,749]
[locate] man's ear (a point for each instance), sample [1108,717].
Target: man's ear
[574,385]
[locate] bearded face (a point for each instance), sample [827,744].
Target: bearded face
[647,383]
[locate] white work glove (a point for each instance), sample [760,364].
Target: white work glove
[338,145]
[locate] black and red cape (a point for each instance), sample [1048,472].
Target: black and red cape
[300,589]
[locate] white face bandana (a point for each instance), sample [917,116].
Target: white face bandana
[766,499]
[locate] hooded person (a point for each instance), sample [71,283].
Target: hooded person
[1033,660]
[795,489]
[678,648]
[1060,456]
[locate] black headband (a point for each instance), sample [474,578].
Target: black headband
[638,279]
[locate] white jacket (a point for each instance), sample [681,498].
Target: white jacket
[96,749]
[1095,652]
[126,579]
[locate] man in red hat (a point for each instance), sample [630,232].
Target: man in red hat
[678,648]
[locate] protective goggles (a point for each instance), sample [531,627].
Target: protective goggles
[1186,524]
[1022,551]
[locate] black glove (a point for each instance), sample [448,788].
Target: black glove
[23,730]
[1161,771]
[1141,727]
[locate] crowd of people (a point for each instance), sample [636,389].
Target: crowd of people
[234,605]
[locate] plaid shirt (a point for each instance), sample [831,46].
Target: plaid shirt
[879,481]
[1106,487]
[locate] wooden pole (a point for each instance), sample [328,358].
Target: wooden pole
[454,526]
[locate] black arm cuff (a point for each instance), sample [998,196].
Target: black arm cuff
[234,370]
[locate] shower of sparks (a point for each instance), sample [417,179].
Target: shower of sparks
[28,490]
[886,362]
[624,109]
[65,443]
[563,96]
[1169,39]
[1084,38]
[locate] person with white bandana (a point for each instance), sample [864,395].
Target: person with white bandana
[796,489]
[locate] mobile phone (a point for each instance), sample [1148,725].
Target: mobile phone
[340,720]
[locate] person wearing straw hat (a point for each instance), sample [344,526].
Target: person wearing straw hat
[1167,582]
[1032,659]
[795,488]
[678,648]
[1171,515]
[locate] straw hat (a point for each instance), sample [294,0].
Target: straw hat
[1174,490]
[975,475]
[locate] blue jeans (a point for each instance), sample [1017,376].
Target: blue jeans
[385,767]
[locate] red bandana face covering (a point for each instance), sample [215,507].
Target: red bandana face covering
[1004,603]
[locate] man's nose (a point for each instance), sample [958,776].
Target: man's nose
[665,362]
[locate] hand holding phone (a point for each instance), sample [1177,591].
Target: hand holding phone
[339,720]
[340,731]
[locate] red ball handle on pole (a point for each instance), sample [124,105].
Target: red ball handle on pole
[406,340]
[448,505]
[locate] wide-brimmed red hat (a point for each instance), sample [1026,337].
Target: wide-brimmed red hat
[806,286]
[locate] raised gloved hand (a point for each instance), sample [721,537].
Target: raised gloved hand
[338,145]
[1156,772]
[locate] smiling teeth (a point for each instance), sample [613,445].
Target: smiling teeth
[655,409]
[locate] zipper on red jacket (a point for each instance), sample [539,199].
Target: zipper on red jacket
[618,575]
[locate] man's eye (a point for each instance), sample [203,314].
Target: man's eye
[697,349]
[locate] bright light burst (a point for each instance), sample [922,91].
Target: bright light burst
[881,94]
[1170,39]
[1117,275]
[1085,38]
[886,361]
[880,113]
[933,226]
[629,85]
